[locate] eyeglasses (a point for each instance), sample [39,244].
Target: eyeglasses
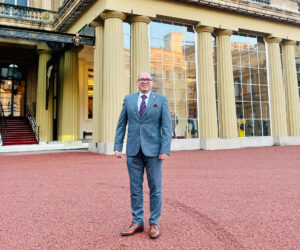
[145,80]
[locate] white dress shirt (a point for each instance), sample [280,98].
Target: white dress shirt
[140,99]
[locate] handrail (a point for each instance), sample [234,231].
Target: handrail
[27,13]
[3,125]
[35,128]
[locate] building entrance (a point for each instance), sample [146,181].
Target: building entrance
[12,91]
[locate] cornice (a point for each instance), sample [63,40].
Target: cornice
[245,7]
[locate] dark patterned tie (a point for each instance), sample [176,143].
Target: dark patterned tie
[143,106]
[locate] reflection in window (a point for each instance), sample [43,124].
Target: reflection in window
[126,37]
[297,54]
[250,85]
[173,68]
[90,92]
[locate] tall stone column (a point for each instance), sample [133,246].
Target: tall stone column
[278,107]
[44,117]
[113,76]
[291,89]
[98,85]
[60,83]
[70,109]
[227,109]
[139,48]
[206,84]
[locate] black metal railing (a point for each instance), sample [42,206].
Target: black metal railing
[35,128]
[3,128]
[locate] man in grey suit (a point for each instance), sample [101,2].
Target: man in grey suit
[148,143]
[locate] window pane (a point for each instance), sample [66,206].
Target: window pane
[249,128]
[256,110]
[239,110]
[255,93]
[265,110]
[192,128]
[191,89]
[181,129]
[264,93]
[245,75]
[238,92]
[192,108]
[257,128]
[237,74]
[9,1]
[181,109]
[180,89]
[266,128]
[246,92]
[169,88]
[247,110]
[262,59]
[90,93]
[172,51]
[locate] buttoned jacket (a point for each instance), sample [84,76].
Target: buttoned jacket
[152,132]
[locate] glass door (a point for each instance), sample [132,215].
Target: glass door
[12,97]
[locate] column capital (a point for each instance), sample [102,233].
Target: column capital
[44,52]
[271,39]
[143,19]
[288,42]
[220,32]
[200,28]
[113,14]
[97,22]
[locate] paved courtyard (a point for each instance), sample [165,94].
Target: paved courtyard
[226,199]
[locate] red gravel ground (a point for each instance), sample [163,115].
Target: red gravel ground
[227,199]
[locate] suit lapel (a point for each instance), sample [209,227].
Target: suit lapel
[149,104]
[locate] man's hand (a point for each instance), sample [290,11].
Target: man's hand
[163,157]
[118,154]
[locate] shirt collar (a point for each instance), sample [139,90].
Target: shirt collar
[148,94]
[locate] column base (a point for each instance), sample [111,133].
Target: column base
[286,140]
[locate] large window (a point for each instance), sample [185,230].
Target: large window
[250,85]
[172,55]
[126,38]
[297,53]
[17,2]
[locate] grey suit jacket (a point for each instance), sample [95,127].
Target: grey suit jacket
[152,132]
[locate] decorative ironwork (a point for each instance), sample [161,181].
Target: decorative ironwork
[35,128]
[3,128]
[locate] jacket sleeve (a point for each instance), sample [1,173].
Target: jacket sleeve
[121,128]
[166,127]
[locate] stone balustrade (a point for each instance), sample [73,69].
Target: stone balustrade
[26,13]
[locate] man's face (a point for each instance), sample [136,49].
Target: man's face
[145,82]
